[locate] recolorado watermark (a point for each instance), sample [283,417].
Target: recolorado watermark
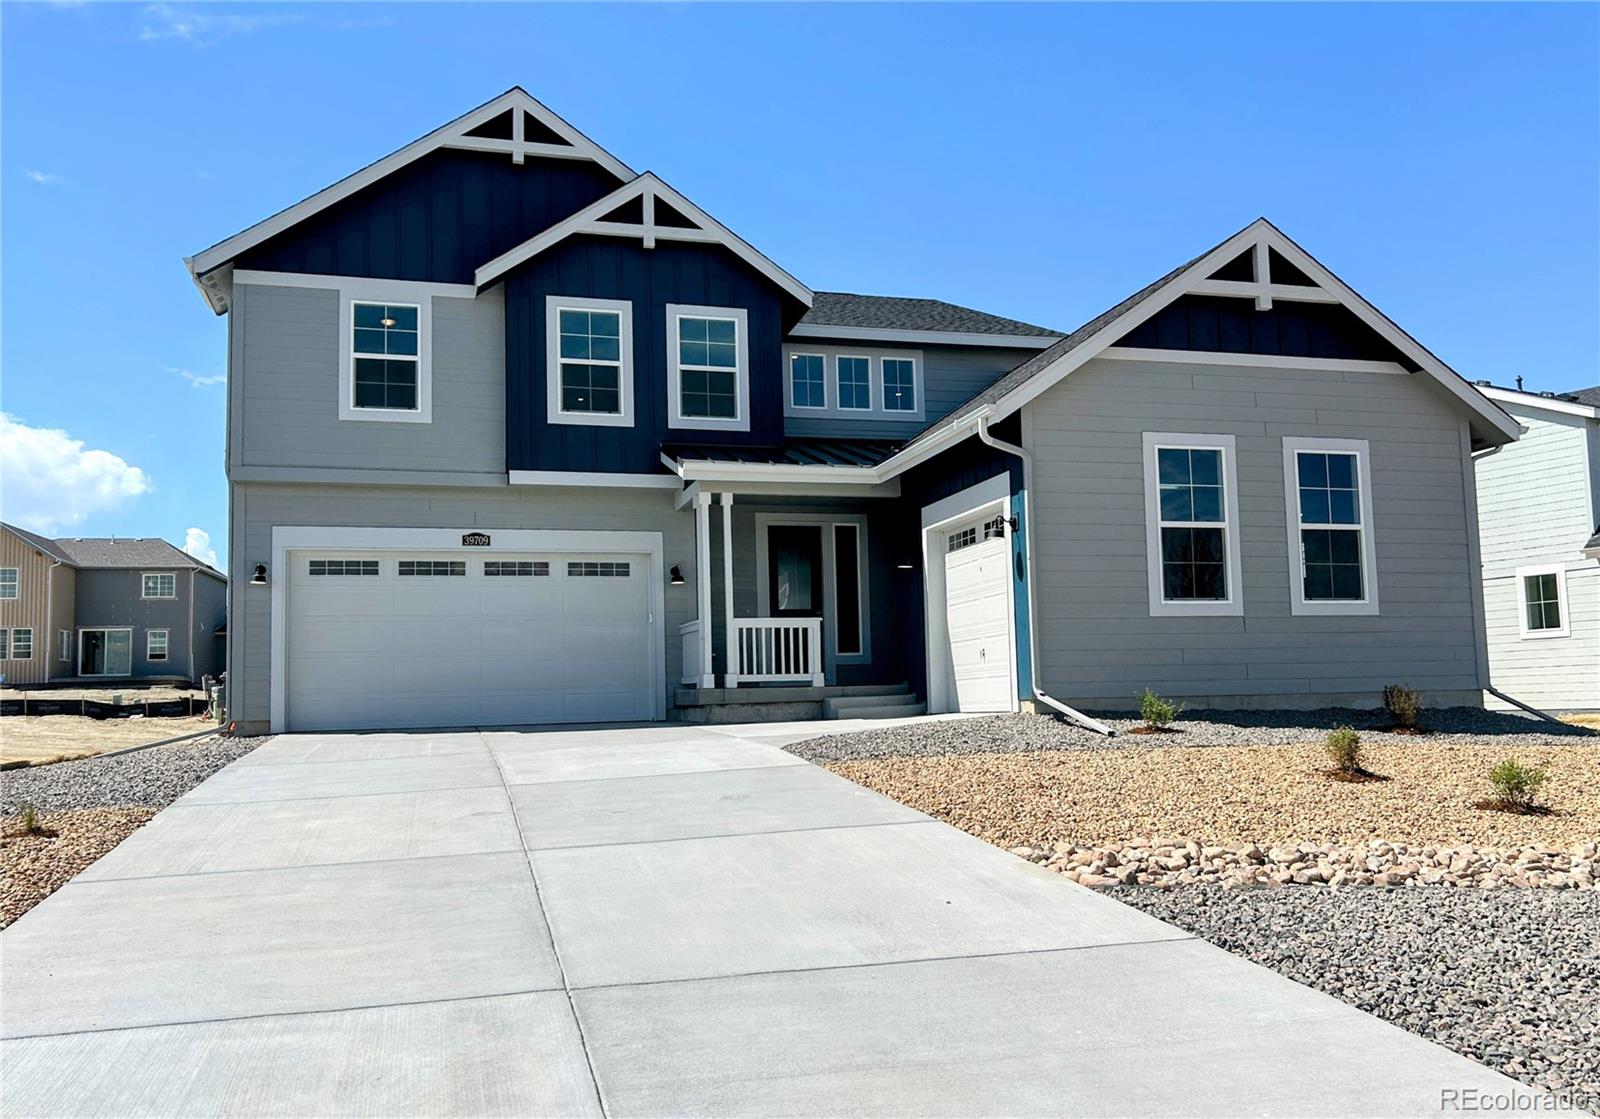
[1510,1100]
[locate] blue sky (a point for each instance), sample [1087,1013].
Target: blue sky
[1031,160]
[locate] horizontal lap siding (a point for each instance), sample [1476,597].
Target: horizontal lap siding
[1099,642]
[111,598]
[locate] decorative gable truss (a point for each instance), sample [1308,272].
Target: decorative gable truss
[648,210]
[1263,273]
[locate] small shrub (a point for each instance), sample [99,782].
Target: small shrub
[1516,786]
[1403,705]
[1344,748]
[1156,712]
[30,820]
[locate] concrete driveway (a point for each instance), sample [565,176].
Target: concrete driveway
[653,921]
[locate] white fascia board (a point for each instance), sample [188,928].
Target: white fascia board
[398,289]
[586,478]
[777,472]
[224,251]
[931,337]
[1534,400]
[1260,361]
[904,459]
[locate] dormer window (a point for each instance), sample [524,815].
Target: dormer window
[708,367]
[855,383]
[589,358]
[899,384]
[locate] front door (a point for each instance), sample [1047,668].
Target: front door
[105,652]
[794,570]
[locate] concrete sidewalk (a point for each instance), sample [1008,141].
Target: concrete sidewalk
[663,920]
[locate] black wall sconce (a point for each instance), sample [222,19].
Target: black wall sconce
[997,526]
[259,579]
[675,576]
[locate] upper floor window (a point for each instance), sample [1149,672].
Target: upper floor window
[855,382]
[1543,594]
[708,367]
[384,363]
[589,359]
[1191,524]
[1332,558]
[899,384]
[808,385]
[159,585]
[8,582]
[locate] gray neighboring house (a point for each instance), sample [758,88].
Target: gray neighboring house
[1539,520]
[107,609]
[518,434]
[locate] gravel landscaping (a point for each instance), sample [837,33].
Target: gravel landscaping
[152,778]
[34,866]
[1510,978]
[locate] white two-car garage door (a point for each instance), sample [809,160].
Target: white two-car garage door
[977,584]
[430,639]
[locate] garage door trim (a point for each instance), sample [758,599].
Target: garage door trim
[290,538]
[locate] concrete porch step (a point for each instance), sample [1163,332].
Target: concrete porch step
[886,705]
[900,711]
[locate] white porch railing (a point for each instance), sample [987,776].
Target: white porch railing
[689,632]
[775,650]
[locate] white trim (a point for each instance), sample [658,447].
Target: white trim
[790,408]
[875,410]
[356,289]
[1250,361]
[77,667]
[824,523]
[648,188]
[1546,403]
[287,538]
[452,134]
[404,291]
[692,470]
[740,317]
[554,413]
[16,584]
[1288,293]
[1298,604]
[166,646]
[11,645]
[585,478]
[1559,570]
[1232,604]
[143,575]
[925,337]
[975,503]
[64,645]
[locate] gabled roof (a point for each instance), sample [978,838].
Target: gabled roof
[1590,397]
[684,222]
[864,316]
[534,131]
[43,544]
[115,552]
[1492,424]
[1583,402]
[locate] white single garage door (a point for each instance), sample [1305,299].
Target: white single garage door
[977,583]
[431,639]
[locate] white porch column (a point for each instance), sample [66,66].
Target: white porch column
[702,586]
[730,665]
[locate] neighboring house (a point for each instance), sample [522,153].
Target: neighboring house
[1538,508]
[82,609]
[519,435]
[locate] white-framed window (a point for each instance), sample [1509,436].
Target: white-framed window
[708,367]
[5,644]
[386,352]
[22,644]
[1191,499]
[158,584]
[853,374]
[155,644]
[64,643]
[9,582]
[1542,601]
[1333,566]
[899,384]
[589,361]
[808,381]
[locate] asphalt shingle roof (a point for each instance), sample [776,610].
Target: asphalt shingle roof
[1591,397]
[889,312]
[43,543]
[100,551]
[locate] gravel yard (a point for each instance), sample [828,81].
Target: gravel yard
[1507,977]
[32,867]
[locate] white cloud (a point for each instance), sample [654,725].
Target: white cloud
[49,481]
[202,28]
[197,542]
[47,178]
[196,380]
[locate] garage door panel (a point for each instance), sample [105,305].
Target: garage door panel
[978,623]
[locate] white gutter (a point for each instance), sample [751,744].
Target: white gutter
[1033,612]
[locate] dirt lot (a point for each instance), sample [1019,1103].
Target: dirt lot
[128,692]
[42,738]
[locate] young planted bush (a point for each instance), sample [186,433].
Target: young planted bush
[1403,704]
[1344,749]
[30,820]
[1157,712]
[1516,786]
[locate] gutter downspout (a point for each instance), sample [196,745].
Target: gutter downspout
[49,626]
[1033,617]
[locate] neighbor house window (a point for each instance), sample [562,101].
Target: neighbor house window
[1191,524]
[8,582]
[808,386]
[708,367]
[386,353]
[162,585]
[899,384]
[589,357]
[22,644]
[64,639]
[855,383]
[155,645]
[5,644]
[1543,591]
[1331,552]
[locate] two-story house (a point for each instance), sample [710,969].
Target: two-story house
[517,434]
[1539,519]
[87,610]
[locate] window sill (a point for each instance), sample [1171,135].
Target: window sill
[1224,609]
[1333,609]
[384,415]
[592,419]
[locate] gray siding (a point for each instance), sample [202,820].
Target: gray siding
[109,598]
[1100,646]
[257,507]
[210,612]
[284,388]
[1535,508]
[951,376]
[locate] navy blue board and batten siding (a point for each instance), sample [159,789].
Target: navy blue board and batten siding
[1220,324]
[649,279]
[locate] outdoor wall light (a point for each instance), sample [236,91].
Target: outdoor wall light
[259,579]
[675,577]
